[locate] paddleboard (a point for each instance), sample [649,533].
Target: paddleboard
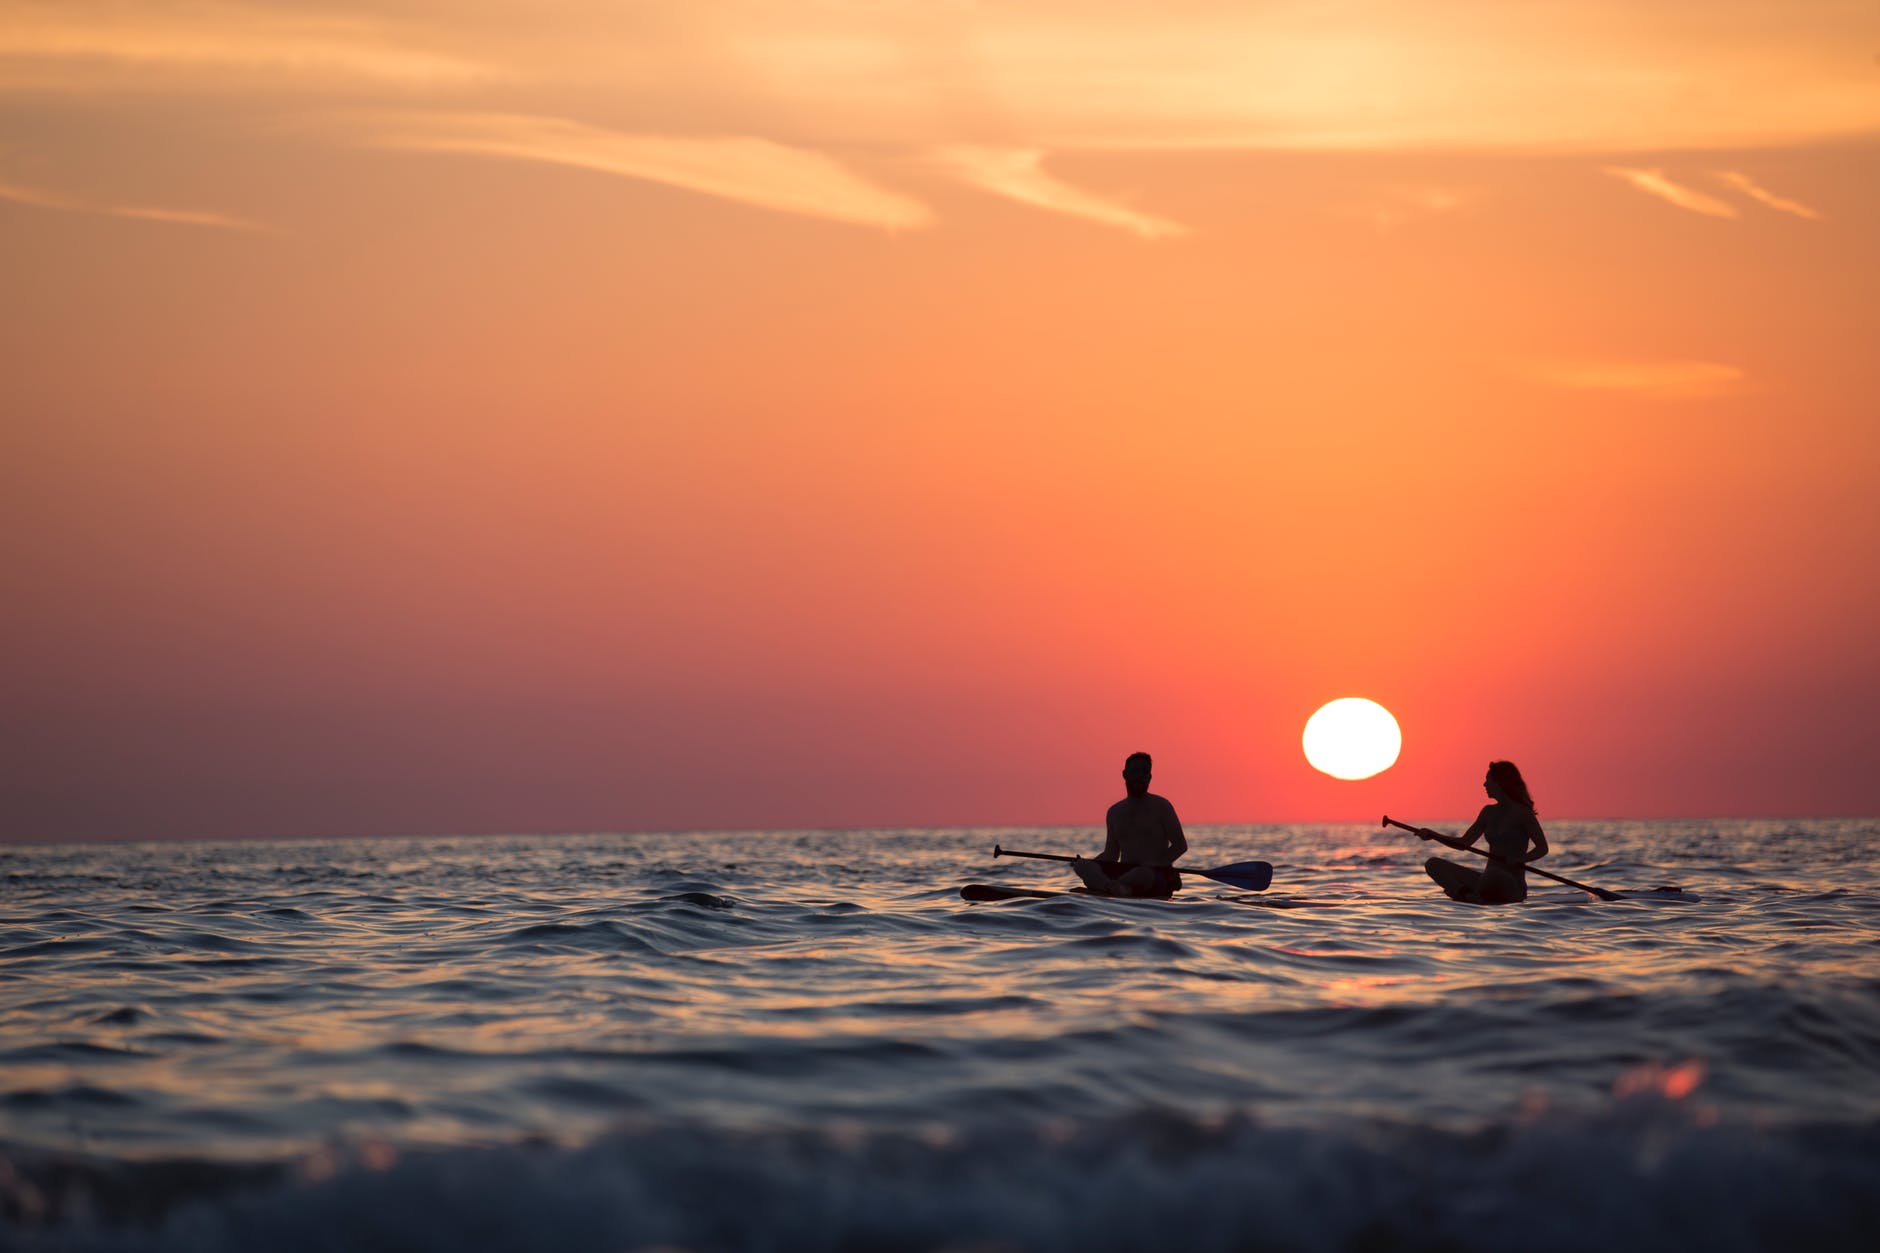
[987,892]
[1674,896]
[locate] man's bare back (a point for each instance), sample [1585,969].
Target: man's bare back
[1144,829]
[1141,828]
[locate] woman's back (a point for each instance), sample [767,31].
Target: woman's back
[1506,830]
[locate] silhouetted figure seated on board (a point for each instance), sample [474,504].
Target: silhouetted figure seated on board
[1512,829]
[1141,828]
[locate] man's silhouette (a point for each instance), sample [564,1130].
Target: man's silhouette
[1143,831]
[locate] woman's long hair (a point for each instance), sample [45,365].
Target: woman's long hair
[1509,780]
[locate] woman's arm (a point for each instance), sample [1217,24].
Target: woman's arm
[1468,838]
[1538,838]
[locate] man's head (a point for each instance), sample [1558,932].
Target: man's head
[1136,770]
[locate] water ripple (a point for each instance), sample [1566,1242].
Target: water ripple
[223,1001]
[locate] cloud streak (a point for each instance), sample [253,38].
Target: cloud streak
[198,46]
[1018,174]
[1654,183]
[1388,207]
[1672,379]
[740,168]
[1555,76]
[38,198]
[1762,195]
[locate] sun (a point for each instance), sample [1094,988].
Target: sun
[1352,738]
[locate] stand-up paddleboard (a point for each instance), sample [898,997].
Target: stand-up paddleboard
[1248,876]
[1458,883]
[987,892]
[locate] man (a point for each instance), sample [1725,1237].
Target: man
[1144,835]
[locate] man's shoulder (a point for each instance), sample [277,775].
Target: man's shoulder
[1149,801]
[1129,804]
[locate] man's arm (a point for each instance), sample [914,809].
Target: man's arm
[1112,850]
[1177,841]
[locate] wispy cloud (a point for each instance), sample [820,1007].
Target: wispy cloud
[202,45]
[1587,76]
[1552,76]
[1654,183]
[1387,208]
[738,167]
[1762,195]
[1018,174]
[1679,379]
[184,217]
[41,199]
[36,198]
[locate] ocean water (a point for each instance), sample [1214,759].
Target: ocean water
[787,1040]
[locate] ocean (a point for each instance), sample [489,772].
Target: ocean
[808,1041]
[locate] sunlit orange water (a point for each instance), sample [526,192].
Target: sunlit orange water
[392,1009]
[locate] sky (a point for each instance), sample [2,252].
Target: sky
[428,417]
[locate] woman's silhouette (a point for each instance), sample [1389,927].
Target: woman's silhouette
[1512,829]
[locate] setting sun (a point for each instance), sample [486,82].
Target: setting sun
[612,604]
[482,376]
[1352,738]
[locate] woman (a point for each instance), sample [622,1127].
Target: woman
[1512,830]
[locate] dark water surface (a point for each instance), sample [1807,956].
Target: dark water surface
[807,1041]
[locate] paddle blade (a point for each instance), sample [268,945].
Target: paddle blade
[1248,876]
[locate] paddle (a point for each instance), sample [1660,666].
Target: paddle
[1252,876]
[1601,893]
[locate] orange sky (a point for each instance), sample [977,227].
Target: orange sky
[485,417]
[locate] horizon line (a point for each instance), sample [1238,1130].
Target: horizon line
[884,829]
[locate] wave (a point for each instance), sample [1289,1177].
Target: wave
[1641,1175]
[557,937]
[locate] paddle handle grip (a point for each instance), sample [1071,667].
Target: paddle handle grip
[1601,893]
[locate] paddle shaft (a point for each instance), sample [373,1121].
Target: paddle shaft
[1601,893]
[1254,875]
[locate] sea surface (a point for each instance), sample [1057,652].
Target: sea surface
[807,1040]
